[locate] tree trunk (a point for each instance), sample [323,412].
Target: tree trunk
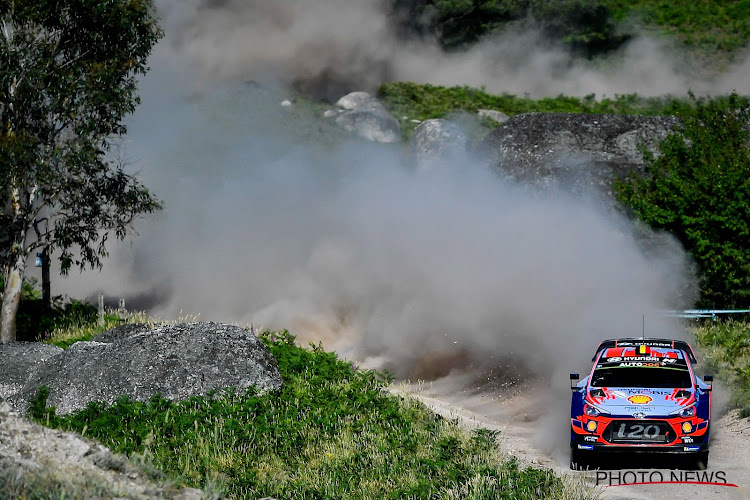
[46,288]
[12,298]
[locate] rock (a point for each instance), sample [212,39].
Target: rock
[76,467]
[286,103]
[123,331]
[355,100]
[331,113]
[573,150]
[371,121]
[19,361]
[492,114]
[437,140]
[177,361]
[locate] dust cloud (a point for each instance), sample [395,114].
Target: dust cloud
[330,47]
[423,273]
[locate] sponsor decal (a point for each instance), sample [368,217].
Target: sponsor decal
[585,447]
[638,477]
[640,399]
[590,438]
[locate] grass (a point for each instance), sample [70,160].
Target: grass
[708,26]
[332,431]
[69,334]
[726,349]
[413,101]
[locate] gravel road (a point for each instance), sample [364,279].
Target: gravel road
[539,438]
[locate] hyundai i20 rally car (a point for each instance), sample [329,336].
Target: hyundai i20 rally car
[641,395]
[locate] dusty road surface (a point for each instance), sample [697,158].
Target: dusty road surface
[539,438]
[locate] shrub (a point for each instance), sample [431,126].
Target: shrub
[698,189]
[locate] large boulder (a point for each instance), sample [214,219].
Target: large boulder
[365,116]
[177,361]
[123,331]
[579,150]
[19,361]
[437,140]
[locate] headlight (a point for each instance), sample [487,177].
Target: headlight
[593,411]
[684,412]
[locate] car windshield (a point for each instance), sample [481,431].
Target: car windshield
[661,377]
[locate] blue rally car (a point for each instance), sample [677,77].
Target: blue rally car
[641,395]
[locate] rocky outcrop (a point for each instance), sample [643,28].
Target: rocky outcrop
[578,150]
[19,362]
[35,459]
[365,116]
[123,331]
[177,361]
[437,140]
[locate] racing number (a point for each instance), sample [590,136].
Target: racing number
[638,431]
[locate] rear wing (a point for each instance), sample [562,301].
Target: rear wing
[634,342]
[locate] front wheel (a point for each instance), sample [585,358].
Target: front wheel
[701,460]
[579,460]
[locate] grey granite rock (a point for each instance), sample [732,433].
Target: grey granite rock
[19,361]
[437,140]
[177,361]
[371,121]
[578,150]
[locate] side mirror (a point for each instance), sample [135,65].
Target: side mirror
[709,379]
[573,381]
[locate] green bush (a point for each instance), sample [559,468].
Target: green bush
[725,346]
[698,189]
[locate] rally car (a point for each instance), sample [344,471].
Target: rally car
[642,395]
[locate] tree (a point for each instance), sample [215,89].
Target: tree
[68,76]
[699,190]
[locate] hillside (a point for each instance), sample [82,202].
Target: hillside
[591,27]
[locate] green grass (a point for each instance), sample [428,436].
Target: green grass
[408,100]
[726,349]
[708,26]
[332,431]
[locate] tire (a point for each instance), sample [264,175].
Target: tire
[578,460]
[701,460]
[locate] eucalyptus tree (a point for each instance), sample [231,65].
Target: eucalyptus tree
[68,77]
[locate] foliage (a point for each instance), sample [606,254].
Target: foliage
[591,26]
[726,349]
[581,24]
[36,321]
[584,25]
[708,26]
[698,189]
[68,74]
[422,102]
[330,432]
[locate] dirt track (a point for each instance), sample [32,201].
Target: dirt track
[539,439]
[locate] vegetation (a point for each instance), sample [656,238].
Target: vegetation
[726,349]
[591,27]
[709,26]
[36,321]
[413,101]
[68,74]
[330,432]
[698,189]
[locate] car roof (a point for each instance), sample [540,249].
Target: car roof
[679,345]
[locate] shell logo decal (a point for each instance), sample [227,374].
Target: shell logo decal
[640,399]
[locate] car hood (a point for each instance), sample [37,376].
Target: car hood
[643,401]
